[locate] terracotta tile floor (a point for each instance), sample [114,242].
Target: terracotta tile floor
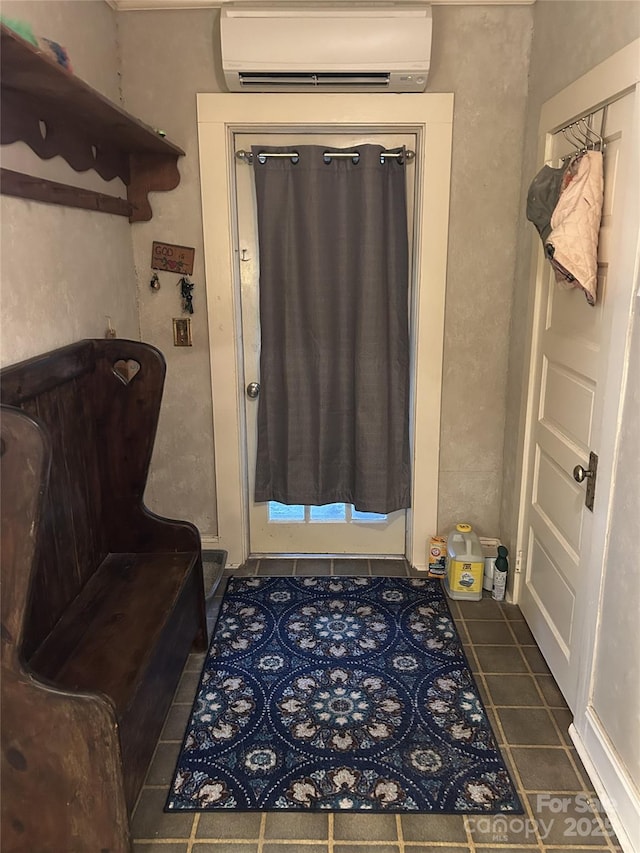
[529,718]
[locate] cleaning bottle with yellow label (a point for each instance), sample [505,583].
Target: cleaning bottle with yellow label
[465,564]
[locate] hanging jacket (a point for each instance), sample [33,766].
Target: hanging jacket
[572,245]
[543,196]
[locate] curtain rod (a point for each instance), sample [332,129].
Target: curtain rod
[247,156]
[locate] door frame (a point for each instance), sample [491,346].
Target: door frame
[615,77]
[430,117]
[386,538]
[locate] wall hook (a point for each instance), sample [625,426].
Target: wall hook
[186,288]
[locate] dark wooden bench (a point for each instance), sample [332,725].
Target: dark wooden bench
[102,599]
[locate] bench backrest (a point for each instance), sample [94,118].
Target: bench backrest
[99,402]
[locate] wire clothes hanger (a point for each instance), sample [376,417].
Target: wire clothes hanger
[582,137]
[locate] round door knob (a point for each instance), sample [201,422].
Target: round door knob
[253,389]
[579,474]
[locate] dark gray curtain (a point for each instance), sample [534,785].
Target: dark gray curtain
[333,418]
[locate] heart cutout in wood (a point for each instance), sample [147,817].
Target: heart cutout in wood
[126,370]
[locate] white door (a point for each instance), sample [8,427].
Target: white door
[570,351]
[275,528]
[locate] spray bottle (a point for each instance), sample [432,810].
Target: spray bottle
[500,572]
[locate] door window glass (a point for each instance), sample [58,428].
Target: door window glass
[317,514]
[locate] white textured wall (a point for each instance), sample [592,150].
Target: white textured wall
[63,269]
[167,57]
[616,692]
[481,54]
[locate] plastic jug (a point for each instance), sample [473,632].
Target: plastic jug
[465,564]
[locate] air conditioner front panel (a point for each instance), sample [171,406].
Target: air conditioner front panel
[361,42]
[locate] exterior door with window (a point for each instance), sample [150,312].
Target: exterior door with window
[222,118]
[275,528]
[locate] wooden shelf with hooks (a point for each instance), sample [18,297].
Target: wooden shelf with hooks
[56,113]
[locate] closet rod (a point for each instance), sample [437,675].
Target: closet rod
[247,156]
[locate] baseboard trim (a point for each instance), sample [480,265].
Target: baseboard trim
[615,789]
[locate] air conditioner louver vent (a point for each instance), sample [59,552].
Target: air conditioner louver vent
[288,79]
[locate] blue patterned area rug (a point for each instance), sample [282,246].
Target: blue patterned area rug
[339,693]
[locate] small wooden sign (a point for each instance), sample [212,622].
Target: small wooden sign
[166,256]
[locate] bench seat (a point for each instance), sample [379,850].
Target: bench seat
[102,598]
[106,637]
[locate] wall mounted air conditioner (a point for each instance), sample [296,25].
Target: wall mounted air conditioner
[376,48]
